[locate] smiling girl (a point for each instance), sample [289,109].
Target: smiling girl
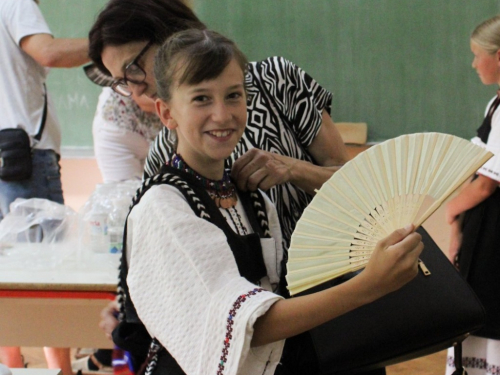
[202,260]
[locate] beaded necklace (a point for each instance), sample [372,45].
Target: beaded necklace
[221,191]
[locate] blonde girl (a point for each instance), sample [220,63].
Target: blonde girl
[475,215]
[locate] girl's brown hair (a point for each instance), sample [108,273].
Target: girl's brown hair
[192,56]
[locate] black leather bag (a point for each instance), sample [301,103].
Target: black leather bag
[15,149]
[429,314]
[15,155]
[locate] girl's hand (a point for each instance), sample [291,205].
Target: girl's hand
[394,261]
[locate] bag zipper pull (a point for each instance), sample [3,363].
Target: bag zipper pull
[424,269]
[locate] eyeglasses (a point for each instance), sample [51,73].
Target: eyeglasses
[133,73]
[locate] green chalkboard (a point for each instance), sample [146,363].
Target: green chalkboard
[402,66]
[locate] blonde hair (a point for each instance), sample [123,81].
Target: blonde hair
[487,35]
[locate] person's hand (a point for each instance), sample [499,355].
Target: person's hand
[258,169]
[108,319]
[394,262]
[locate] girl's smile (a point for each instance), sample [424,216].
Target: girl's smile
[220,133]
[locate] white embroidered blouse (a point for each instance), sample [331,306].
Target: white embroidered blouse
[491,168]
[186,288]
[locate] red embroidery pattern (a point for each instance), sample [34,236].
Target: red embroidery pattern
[229,327]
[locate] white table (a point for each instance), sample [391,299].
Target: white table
[34,371]
[55,305]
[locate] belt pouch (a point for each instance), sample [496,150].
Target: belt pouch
[15,155]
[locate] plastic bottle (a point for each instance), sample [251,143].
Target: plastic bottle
[116,223]
[97,218]
[98,230]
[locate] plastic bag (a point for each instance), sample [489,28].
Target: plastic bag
[38,232]
[37,220]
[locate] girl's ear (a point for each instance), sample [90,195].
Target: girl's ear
[163,112]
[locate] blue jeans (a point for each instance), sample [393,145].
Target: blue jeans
[45,182]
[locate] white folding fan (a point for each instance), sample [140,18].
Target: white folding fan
[397,182]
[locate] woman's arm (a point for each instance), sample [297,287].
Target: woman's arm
[473,194]
[392,265]
[262,169]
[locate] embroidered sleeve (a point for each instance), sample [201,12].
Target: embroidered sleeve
[299,97]
[187,290]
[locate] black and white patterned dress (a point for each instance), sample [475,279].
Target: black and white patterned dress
[284,116]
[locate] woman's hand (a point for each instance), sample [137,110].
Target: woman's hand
[258,169]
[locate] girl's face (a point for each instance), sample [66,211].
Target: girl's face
[117,58]
[487,65]
[209,119]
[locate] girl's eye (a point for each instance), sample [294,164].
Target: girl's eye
[200,98]
[235,95]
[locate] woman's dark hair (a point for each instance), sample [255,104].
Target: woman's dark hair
[192,56]
[126,21]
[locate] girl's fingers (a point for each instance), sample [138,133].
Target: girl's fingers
[396,236]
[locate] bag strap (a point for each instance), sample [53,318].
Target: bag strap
[459,369]
[44,114]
